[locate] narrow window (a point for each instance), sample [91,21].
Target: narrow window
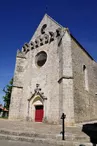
[85,78]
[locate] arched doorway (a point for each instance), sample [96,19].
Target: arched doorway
[37,109]
[37,106]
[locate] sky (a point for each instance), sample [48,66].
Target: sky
[20,18]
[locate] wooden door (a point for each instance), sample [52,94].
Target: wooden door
[38,113]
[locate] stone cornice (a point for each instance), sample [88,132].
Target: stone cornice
[43,38]
[65,77]
[20,54]
[17,86]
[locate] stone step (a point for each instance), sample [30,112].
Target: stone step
[26,134]
[43,140]
[68,136]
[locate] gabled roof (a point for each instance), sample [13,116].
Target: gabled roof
[47,18]
[72,38]
[51,24]
[81,46]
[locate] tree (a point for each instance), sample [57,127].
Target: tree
[7,90]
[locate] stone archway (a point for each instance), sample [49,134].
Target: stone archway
[36,106]
[37,109]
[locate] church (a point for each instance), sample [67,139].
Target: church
[54,74]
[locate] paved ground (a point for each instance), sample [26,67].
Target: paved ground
[16,143]
[38,134]
[35,127]
[29,126]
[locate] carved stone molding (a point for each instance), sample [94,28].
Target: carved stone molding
[43,38]
[38,91]
[21,54]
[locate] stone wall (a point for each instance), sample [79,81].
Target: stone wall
[67,79]
[85,101]
[17,90]
[46,76]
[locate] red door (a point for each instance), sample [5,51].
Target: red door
[38,113]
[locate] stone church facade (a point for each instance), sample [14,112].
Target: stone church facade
[54,74]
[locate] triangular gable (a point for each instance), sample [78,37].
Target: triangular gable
[50,25]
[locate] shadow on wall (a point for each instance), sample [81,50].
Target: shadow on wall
[91,131]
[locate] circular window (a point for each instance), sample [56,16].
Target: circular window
[41,58]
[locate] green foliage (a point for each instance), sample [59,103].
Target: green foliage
[7,90]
